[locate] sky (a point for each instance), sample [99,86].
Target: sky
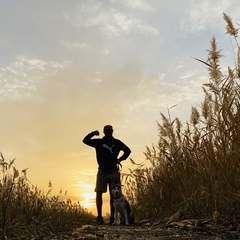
[70,67]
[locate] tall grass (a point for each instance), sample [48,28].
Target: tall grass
[28,213]
[194,169]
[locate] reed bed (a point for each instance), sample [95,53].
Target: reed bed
[194,169]
[28,213]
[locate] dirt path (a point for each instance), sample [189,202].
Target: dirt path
[90,232]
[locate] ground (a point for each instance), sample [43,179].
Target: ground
[175,230]
[133,232]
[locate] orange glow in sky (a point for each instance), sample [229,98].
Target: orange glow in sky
[88,200]
[70,67]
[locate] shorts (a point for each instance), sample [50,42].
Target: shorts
[106,177]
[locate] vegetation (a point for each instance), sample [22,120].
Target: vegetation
[28,213]
[194,169]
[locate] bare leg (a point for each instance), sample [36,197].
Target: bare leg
[99,203]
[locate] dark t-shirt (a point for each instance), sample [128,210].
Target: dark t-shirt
[107,150]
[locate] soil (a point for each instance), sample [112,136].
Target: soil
[133,232]
[151,232]
[170,228]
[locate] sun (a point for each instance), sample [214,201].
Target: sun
[88,199]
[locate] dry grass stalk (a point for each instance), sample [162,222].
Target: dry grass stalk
[196,169]
[26,211]
[231,30]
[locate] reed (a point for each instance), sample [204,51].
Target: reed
[194,169]
[26,212]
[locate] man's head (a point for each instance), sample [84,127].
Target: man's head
[108,130]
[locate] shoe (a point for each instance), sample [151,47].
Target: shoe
[99,220]
[111,220]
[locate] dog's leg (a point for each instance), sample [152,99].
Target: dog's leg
[126,217]
[131,218]
[115,217]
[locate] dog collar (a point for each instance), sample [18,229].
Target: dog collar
[121,198]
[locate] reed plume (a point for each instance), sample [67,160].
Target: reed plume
[195,168]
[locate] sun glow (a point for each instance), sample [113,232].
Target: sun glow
[88,200]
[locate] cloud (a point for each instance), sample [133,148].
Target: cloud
[123,24]
[22,77]
[74,45]
[204,15]
[109,20]
[81,176]
[136,5]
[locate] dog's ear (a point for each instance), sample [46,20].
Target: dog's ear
[112,184]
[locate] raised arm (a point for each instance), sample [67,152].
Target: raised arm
[88,139]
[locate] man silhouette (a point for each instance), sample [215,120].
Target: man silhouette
[107,151]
